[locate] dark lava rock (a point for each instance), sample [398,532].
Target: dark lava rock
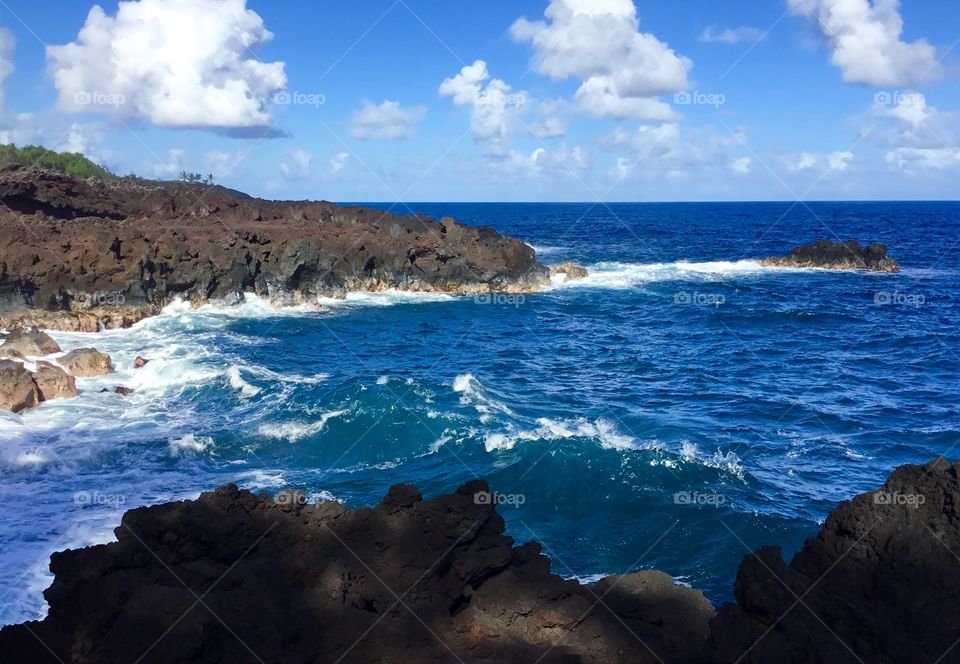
[237,577]
[849,255]
[200,243]
[879,584]
[123,391]
[139,362]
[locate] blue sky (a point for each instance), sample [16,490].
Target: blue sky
[578,100]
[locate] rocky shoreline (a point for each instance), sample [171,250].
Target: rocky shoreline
[234,576]
[94,254]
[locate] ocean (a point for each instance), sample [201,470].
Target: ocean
[675,410]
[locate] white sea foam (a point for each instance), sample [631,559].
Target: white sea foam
[295,431]
[616,275]
[726,461]
[189,443]
[238,383]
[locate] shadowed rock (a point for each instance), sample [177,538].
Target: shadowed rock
[879,584]
[409,580]
[234,573]
[199,243]
[827,254]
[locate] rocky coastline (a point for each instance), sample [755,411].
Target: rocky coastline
[93,254]
[234,576]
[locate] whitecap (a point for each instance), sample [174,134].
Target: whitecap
[294,431]
[189,443]
[238,383]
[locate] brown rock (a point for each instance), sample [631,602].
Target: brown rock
[85,362]
[30,342]
[17,389]
[173,248]
[139,362]
[123,391]
[572,271]
[53,382]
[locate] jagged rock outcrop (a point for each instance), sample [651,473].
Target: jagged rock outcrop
[409,580]
[827,254]
[234,573]
[879,583]
[92,254]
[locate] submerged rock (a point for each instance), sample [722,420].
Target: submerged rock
[17,389]
[29,342]
[86,362]
[572,271]
[53,382]
[139,362]
[123,391]
[849,255]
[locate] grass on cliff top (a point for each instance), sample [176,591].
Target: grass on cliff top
[71,163]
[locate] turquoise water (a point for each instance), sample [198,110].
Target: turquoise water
[679,407]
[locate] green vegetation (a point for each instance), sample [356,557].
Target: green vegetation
[71,163]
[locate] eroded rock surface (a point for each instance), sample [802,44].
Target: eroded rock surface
[409,580]
[29,341]
[53,382]
[86,362]
[91,254]
[17,389]
[827,254]
[437,581]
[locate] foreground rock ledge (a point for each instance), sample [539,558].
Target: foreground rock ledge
[90,254]
[233,573]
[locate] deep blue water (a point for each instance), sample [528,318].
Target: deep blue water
[679,372]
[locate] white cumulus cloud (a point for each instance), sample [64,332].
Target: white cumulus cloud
[494,106]
[622,69]
[385,122]
[174,63]
[297,164]
[866,41]
[931,159]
